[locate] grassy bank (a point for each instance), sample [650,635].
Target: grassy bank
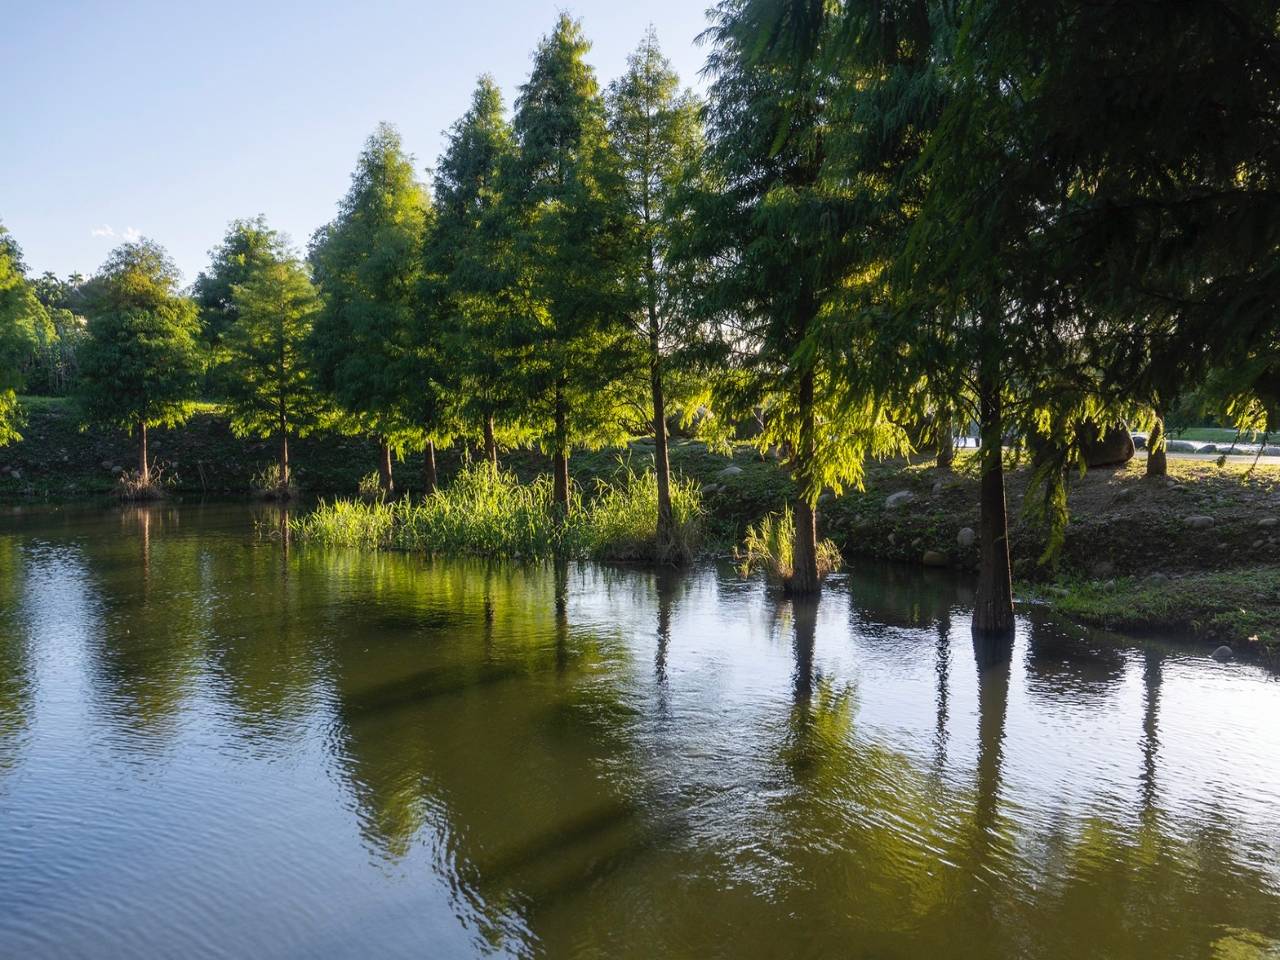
[1239,607]
[492,513]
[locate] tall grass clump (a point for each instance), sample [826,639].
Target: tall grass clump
[488,512]
[769,547]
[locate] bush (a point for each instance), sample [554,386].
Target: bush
[265,483]
[488,512]
[770,547]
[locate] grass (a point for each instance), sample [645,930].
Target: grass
[770,546]
[1215,435]
[492,513]
[1239,607]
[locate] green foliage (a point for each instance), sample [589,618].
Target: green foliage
[248,247]
[269,388]
[367,264]
[467,310]
[140,362]
[487,512]
[22,316]
[573,360]
[770,546]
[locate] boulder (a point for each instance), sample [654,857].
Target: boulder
[1139,441]
[966,538]
[1181,446]
[1106,448]
[1223,654]
[1268,522]
[709,488]
[899,499]
[1198,522]
[934,558]
[1157,578]
[730,471]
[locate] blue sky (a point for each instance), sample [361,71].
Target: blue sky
[168,119]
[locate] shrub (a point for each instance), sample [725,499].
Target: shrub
[265,483]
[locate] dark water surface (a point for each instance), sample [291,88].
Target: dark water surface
[211,746]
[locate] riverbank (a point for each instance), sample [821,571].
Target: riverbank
[1203,521]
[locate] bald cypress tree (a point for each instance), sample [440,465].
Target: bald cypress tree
[574,359]
[466,259]
[367,265]
[657,136]
[769,232]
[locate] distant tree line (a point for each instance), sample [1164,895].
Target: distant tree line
[887,219]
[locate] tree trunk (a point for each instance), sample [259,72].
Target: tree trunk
[490,444]
[144,467]
[560,454]
[661,462]
[804,578]
[993,610]
[284,457]
[385,482]
[946,441]
[429,468]
[1157,461]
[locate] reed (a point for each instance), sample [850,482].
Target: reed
[769,546]
[488,512]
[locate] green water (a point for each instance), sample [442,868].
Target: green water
[214,746]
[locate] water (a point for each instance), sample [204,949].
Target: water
[211,746]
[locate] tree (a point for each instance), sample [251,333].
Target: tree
[768,231]
[140,363]
[657,135]
[465,259]
[21,315]
[248,246]
[367,264]
[270,389]
[573,358]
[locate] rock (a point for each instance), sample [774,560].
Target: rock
[1223,654]
[934,558]
[1181,446]
[1125,495]
[106,464]
[1105,448]
[709,488]
[1257,544]
[966,538]
[1198,521]
[937,487]
[730,471]
[117,469]
[1208,448]
[899,499]
[1157,578]
[1139,441]
[1271,451]
[1102,569]
[16,474]
[1268,522]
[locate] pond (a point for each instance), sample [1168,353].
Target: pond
[213,744]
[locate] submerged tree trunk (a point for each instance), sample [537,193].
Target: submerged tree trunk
[804,576]
[429,468]
[661,462]
[490,443]
[385,482]
[144,467]
[993,610]
[560,454]
[1157,461]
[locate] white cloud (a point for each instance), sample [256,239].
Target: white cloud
[129,234]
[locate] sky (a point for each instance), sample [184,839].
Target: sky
[168,119]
